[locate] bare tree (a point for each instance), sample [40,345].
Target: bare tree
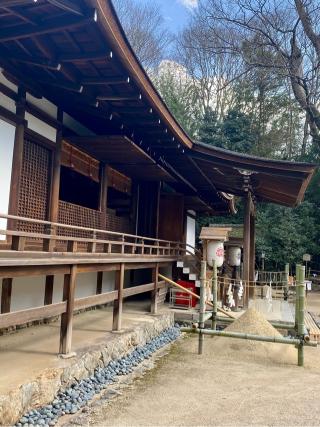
[280,36]
[212,73]
[145,28]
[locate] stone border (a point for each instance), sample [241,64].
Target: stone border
[42,389]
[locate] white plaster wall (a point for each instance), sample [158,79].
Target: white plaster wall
[108,281]
[57,288]
[86,285]
[191,233]
[44,105]
[7,83]
[7,103]
[41,127]
[27,292]
[7,132]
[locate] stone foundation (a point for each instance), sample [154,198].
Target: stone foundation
[41,390]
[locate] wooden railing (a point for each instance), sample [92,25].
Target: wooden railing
[56,237]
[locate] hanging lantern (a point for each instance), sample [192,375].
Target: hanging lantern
[212,241]
[234,256]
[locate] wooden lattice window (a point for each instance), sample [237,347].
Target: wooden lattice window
[34,185]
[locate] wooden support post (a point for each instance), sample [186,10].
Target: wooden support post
[17,158]
[103,195]
[67,317]
[252,253]
[99,282]
[6,295]
[55,176]
[48,292]
[154,293]
[117,304]
[246,247]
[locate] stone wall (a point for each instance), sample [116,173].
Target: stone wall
[42,389]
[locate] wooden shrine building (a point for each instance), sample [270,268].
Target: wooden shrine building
[98,180]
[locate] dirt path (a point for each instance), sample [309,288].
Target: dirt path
[190,390]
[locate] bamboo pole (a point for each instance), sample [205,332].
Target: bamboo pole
[252,337]
[202,304]
[195,295]
[300,324]
[214,295]
[297,297]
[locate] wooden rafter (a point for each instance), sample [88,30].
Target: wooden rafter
[52,25]
[68,6]
[112,98]
[110,81]
[33,60]
[84,57]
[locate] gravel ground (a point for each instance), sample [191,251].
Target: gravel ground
[190,390]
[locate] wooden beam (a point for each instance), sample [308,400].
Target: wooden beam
[94,300]
[48,291]
[154,293]
[68,6]
[109,81]
[31,314]
[117,305]
[246,245]
[32,60]
[33,270]
[63,84]
[84,57]
[52,25]
[112,98]
[67,317]
[12,3]
[6,295]
[136,290]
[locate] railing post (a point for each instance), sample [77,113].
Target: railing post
[122,245]
[18,243]
[214,295]
[202,304]
[67,317]
[117,304]
[48,243]
[300,325]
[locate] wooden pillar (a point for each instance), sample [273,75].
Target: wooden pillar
[157,207]
[99,282]
[6,295]
[67,317]
[154,292]
[48,292]
[56,169]
[252,251]
[246,245]
[103,199]
[117,304]
[17,157]
[103,194]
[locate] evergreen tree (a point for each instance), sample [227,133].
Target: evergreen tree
[239,131]
[210,131]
